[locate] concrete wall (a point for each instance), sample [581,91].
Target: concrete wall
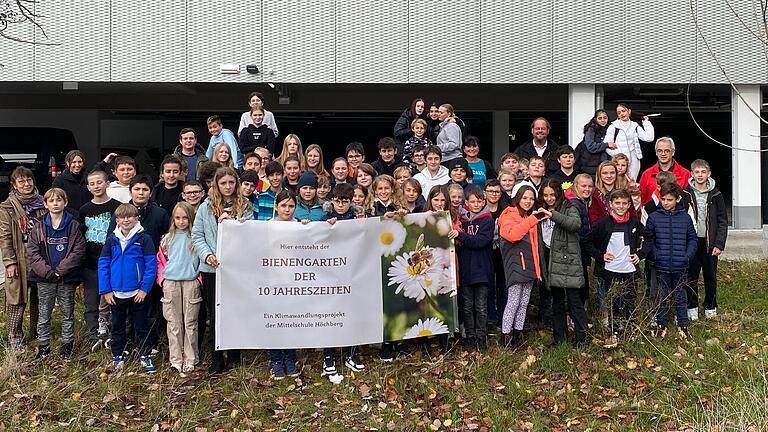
[390,41]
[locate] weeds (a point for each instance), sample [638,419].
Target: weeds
[716,380]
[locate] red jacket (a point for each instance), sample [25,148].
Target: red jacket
[648,179]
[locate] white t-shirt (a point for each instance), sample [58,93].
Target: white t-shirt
[620,251]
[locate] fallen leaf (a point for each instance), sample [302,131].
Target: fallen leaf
[76,395]
[631,364]
[365,391]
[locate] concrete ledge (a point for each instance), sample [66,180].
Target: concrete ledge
[746,244]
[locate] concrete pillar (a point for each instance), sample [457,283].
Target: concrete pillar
[500,136]
[581,106]
[745,134]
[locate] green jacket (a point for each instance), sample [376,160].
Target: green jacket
[564,267]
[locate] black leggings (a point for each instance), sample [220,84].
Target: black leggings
[209,300]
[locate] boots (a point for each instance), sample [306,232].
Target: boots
[517,338]
[505,341]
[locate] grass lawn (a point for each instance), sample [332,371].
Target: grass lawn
[716,381]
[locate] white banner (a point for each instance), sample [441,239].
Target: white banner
[288,285]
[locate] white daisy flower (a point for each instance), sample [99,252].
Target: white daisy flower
[442,257]
[444,284]
[415,279]
[444,226]
[420,219]
[391,237]
[430,327]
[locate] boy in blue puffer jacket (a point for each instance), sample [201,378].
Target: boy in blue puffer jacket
[127,269]
[670,238]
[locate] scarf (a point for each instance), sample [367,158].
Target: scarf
[23,208]
[618,219]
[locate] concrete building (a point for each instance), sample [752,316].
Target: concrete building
[118,73]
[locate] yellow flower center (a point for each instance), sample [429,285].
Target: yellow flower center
[387,238]
[424,332]
[416,269]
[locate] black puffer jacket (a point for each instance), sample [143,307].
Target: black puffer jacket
[591,151]
[402,129]
[76,188]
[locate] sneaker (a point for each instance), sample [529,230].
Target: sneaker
[179,368]
[693,314]
[470,345]
[103,329]
[291,370]
[604,322]
[277,371]
[354,363]
[329,366]
[153,352]
[146,363]
[66,350]
[710,313]
[188,368]
[660,331]
[118,362]
[683,333]
[386,354]
[42,352]
[612,341]
[94,344]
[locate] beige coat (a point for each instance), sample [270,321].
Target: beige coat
[14,253]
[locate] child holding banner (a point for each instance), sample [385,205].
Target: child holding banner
[339,208]
[224,202]
[385,198]
[177,274]
[283,361]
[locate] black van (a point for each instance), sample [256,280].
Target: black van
[39,149]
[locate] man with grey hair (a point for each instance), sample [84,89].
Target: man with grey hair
[665,153]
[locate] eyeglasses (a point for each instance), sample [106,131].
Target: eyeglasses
[194,192]
[25,180]
[354,156]
[341,201]
[492,192]
[663,151]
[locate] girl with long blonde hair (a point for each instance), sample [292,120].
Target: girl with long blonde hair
[292,147]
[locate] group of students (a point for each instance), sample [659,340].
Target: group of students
[146,252]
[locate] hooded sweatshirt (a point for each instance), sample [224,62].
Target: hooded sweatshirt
[57,239]
[119,192]
[701,205]
[427,181]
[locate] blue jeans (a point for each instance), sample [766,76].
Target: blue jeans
[672,285]
[139,314]
[282,355]
[602,290]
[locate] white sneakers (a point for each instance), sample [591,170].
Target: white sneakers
[693,314]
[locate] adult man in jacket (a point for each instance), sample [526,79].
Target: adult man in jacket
[540,145]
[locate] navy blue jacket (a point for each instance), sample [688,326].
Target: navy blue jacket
[476,249]
[130,269]
[671,239]
[464,184]
[68,238]
[153,218]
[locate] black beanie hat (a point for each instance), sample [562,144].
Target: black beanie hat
[307,179]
